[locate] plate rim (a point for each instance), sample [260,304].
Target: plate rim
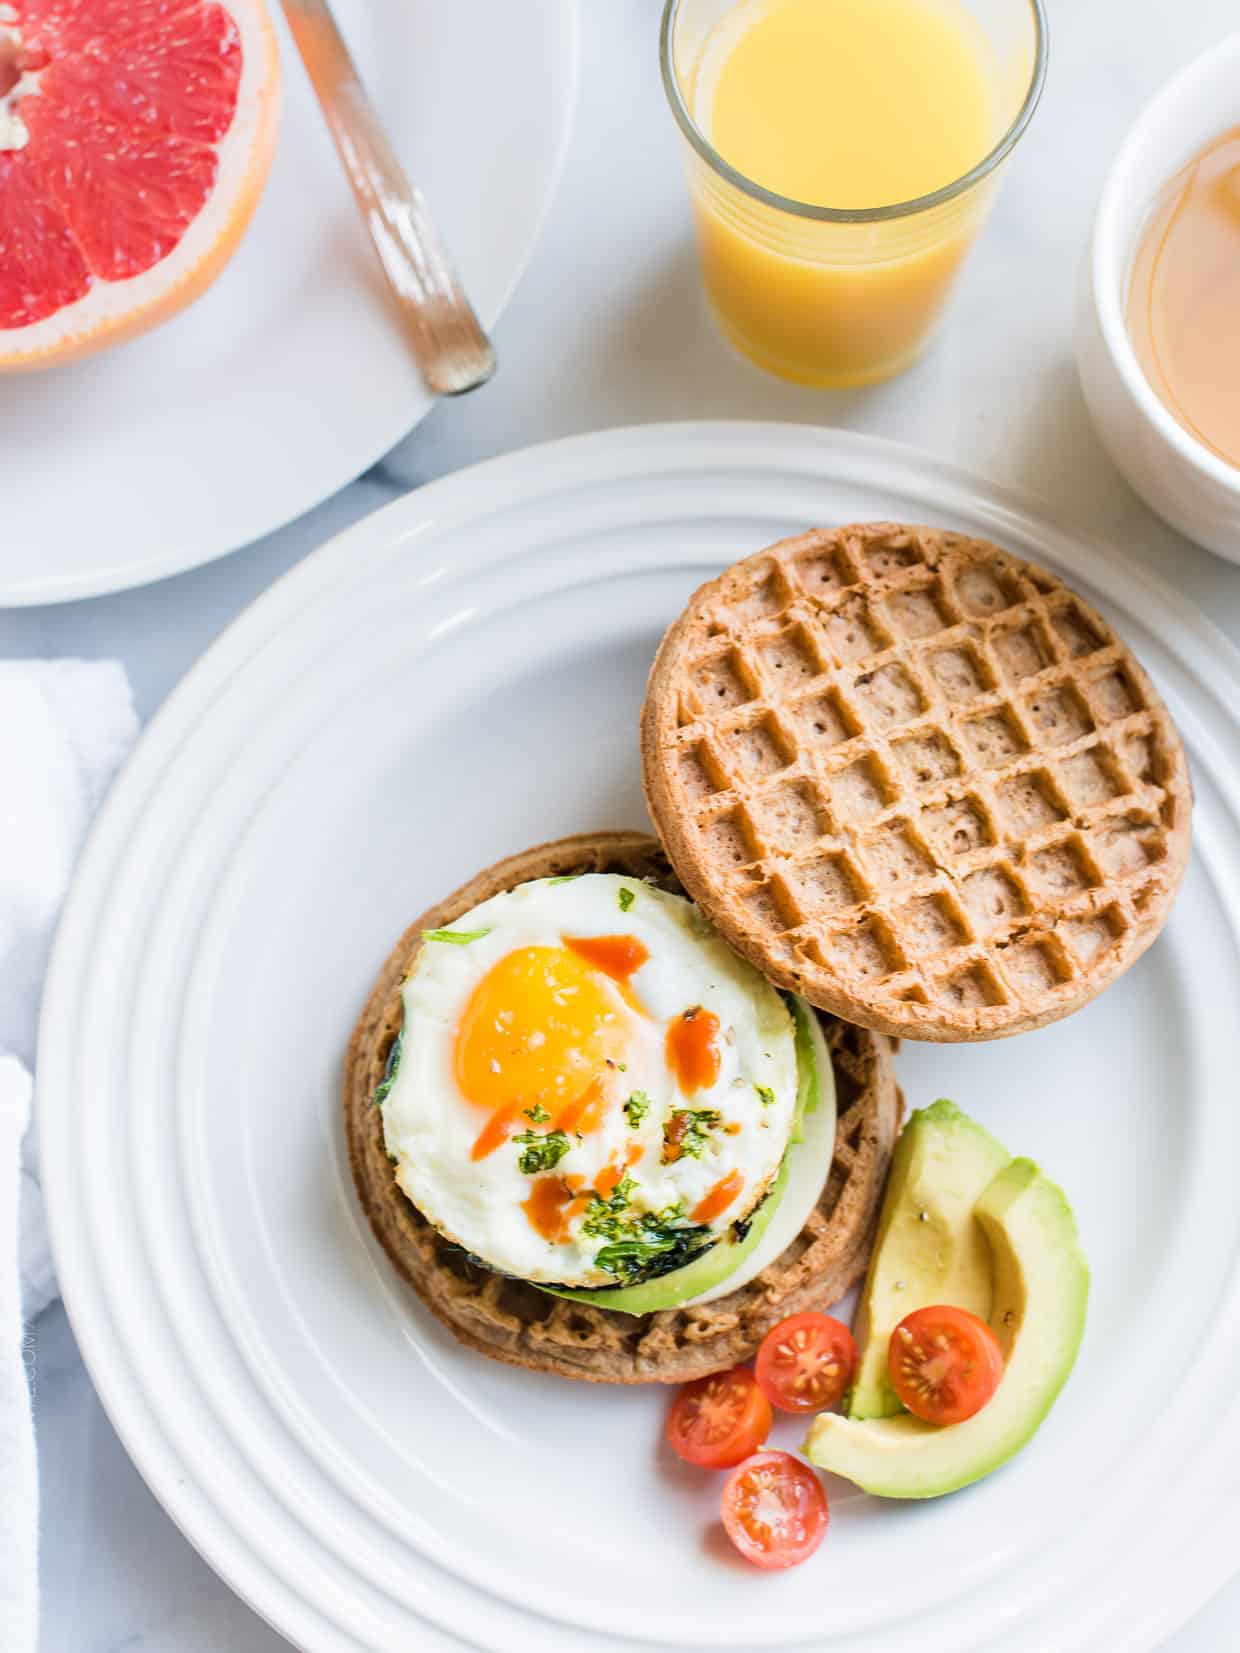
[51,590]
[542,470]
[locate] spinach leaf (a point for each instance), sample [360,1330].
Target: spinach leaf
[383,1089]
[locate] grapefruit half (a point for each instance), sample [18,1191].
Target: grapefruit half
[135,140]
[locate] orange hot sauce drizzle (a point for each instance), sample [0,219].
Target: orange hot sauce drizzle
[555,1201]
[548,1206]
[617,957]
[609,1176]
[673,1135]
[692,1049]
[585,1112]
[717,1199]
[502,1123]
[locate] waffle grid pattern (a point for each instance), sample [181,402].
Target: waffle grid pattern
[917,780]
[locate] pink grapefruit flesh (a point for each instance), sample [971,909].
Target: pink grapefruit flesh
[135,138]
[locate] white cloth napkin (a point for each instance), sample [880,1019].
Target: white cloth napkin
[19,1486]
[65,727]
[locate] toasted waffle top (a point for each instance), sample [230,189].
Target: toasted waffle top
[916,780]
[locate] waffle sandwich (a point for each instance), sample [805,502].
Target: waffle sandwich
[513,1320]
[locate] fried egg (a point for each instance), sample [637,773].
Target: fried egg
[591,1085]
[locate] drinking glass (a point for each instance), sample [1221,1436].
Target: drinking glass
[828,296]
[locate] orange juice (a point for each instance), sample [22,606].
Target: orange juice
[848,103]
[817,119]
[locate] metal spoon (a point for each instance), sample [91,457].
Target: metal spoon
[453,352]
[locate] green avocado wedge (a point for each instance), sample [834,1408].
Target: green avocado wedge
[930,1247]
[812,1058]
[799,1180]
[1041,1287]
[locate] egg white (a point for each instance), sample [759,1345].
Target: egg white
[430,1128]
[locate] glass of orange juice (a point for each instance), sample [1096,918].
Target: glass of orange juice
[842,157]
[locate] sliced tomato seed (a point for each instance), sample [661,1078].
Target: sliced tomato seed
[806,1362]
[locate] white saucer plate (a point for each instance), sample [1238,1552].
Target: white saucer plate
[453,679]
[289,377]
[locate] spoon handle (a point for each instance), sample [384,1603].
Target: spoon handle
[453,352]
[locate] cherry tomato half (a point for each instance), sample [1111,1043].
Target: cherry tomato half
[720,1419]
[945,1363]
[774,1509]
[806,1363]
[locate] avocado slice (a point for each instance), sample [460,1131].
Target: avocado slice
[814,1072]
[929,1248]
[1041,1286]
[799,1180]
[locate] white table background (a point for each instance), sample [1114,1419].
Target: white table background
[608,328]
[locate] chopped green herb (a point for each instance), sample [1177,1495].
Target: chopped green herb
[687,1128]
[565,878]
[627,898]
[458,938]
[637,1107]
[537,1113]
[602,1220]
[389,1073]
[542,1153]
[766,1094]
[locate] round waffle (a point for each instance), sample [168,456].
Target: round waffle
[512,1321]
[915,780]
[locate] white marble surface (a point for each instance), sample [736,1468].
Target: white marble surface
[608,328]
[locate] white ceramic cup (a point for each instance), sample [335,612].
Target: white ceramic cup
[1192,488]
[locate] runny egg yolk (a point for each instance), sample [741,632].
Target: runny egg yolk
[538,1031]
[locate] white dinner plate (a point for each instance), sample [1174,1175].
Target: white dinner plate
[288,378]
[453,679]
